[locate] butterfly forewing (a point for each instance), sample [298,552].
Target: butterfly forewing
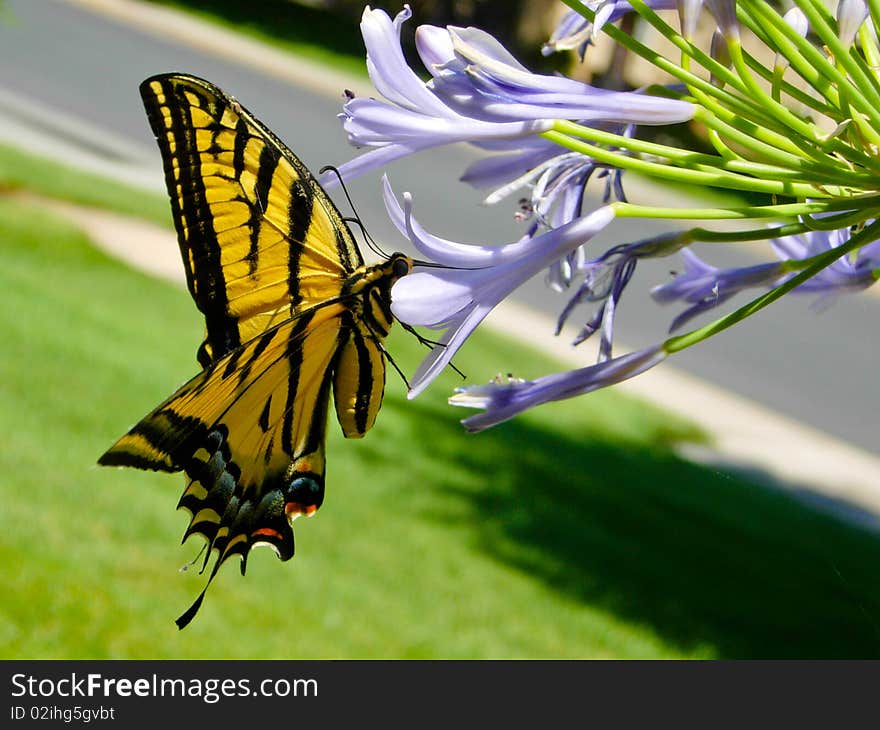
[259,237]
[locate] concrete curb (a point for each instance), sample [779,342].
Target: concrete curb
[168,23]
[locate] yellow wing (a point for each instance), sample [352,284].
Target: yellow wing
[248,431]
[260,239]
[291,313]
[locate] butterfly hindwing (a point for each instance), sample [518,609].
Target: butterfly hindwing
[249,433]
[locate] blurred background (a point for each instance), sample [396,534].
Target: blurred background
[583,529]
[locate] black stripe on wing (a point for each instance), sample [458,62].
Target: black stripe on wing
[193,218]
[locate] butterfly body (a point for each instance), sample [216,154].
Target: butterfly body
[291,314]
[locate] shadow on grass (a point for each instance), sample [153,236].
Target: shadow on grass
[708,561]
[287,22]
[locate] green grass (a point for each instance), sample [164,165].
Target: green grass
[22,171]
[313,33]
[570,532]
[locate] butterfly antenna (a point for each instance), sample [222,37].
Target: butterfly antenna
[371,243]
[381,345]
[396,367]
[430,344]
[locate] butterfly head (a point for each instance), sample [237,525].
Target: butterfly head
[400,265]
[396,266]
[379,277]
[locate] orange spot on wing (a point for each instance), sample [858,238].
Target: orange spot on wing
[295,509]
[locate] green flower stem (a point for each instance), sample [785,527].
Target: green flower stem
[776,82]
[735,108]
[670,67]
[712,178]
[858,86]
[629,42]
[735,104]
[753,235]
[759,131]
[869,46]
[745,133]
[816,60]
[848,220]
[758,134]
[874,10]
[864,86]
[791,169]
[742,105]
[690,159]
[738,112]
[780,112]
[809,268]
[806,61]
[720,147]
[870,206]
[774,39]
[779,84]
[720,71]
[804,131]
[865,134]
[764,233]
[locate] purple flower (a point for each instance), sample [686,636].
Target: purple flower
[604,280]
[796,19]
[471,279]
[850,273]
[850,16]
[557,181]
[724,12]
[689,16]
[413,118]
[483,80]
[705,286]
[478,93]
[502,401]
[574,31]
[557,188]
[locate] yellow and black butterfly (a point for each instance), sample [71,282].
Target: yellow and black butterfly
[291,313]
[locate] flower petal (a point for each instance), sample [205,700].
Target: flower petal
[443,353]
[388,69]
[430,298]
[503,401]
[434,47]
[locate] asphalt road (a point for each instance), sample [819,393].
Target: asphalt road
[820,368]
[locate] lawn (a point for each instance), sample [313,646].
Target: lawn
[573,531]
[318,34]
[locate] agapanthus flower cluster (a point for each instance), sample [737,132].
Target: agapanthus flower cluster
[803,134]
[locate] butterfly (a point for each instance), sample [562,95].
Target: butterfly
[291,314]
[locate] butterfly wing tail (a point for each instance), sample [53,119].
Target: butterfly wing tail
[233,522]
[248,432]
